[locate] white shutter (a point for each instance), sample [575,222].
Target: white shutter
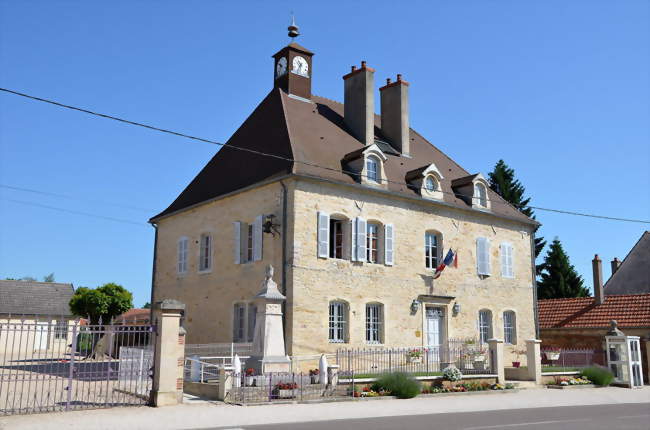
[353,240]
[323,234]
[237,247]
[511,267]
[257,238]
[361,239]
[389,244]
[483,256]
[486,252]
[503,252]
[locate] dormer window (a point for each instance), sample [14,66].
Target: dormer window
[366,165]
[426,181]
[431,184]
[372,169]
[480,195]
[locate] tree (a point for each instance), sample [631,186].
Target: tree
[559,278]
[502,181]
[49,278]
[147,306]
[107,302]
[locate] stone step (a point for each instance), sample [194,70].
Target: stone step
[523,384]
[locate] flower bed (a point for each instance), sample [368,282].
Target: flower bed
[561,382]
[464,387]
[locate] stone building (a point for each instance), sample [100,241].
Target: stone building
[355,211]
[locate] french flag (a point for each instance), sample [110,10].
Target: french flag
[450,259]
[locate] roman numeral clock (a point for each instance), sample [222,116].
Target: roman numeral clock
[293,71]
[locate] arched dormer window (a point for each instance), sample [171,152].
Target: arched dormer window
[372,169]
[426,181]
[480,195]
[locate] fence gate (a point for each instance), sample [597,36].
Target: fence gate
[63,365]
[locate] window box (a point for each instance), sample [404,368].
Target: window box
[412,359]
[552,356]
[286,394]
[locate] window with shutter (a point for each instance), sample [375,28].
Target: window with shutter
[205,253]
[361,239]
[483,256]
[372,242]
[389,244]
[323,234]
[257,238]
[506,260]
[249,243]
[182,255]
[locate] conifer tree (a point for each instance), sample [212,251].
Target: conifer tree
[559,278]
[502,181]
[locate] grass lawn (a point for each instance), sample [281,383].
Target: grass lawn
[549,369]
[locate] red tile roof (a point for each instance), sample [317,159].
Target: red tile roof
[628,310]
[134,315]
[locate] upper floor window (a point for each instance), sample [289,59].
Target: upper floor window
[372,169]
[338,322]
[509,328]
[432,250]
[484,325]
[181,265]
[248,240]
[507,270]
[483,256]
[244,317]
[372,243]
[205,252]
[336,238]
[249,243]
[480,195]
[374,323]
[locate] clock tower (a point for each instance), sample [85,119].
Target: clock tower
[292,70]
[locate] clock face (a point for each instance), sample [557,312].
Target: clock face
[300,66]
[281,67]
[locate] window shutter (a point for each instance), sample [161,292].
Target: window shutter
[353,240]
[389,246]
[361,239]
[486,252]
[237,245]
[511,267]
[483,256]
[323,234]
[257,238]
[503,250]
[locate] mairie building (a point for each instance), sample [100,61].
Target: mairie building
[355,211]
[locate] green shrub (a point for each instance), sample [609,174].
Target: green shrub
[399,384]
[598,375]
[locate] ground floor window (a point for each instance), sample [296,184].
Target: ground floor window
[509,328]
[337,322]
[61,329]
[485,325]
[374,323]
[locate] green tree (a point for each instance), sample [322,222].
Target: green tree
[107,302]
[147,306]
[502,181]
[559,278]
[49,278]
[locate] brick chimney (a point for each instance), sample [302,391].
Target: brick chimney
[616,263]
[395,114]
[599,292]
[359,103]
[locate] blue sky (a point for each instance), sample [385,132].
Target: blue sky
[560,90]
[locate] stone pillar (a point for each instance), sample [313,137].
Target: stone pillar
[268,341]
[226,376]
[496,359]
[333,375]
[534,360]
[169,353]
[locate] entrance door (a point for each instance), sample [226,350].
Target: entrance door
[434,332]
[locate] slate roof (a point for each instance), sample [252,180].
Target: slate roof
[314,134]
[35,298]
[633,275]
[628,310]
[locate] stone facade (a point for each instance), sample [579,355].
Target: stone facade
[312,282]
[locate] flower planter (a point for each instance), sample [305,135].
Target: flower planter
[315,379]
[249,381]
[516,364]
[412,359]
[287,394]
[552,356]
[479,358]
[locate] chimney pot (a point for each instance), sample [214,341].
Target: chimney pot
[399,77]
[616,263]
[363,64]
[387,81]
[599,292]
[354,68]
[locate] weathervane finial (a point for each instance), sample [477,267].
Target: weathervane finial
[293,28]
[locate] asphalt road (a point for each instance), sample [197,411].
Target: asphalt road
[631,416]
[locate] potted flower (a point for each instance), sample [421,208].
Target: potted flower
[414,356]
[285,390]
[518,353]
[250,377]
[553,354]
[314,376]
[451,374]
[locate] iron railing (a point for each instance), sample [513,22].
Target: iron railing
[571,359]
[469,357]
[49,366]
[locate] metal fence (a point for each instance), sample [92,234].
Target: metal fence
[469,357]
[203,360]
[282,387]
[59,367]
[565,359]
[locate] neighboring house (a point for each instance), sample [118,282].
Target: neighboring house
[632,275]
[584,321]
[354,251]
[134,316]
[43,306]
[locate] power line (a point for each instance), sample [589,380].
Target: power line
[22,202]
[46,193]
[200,139]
